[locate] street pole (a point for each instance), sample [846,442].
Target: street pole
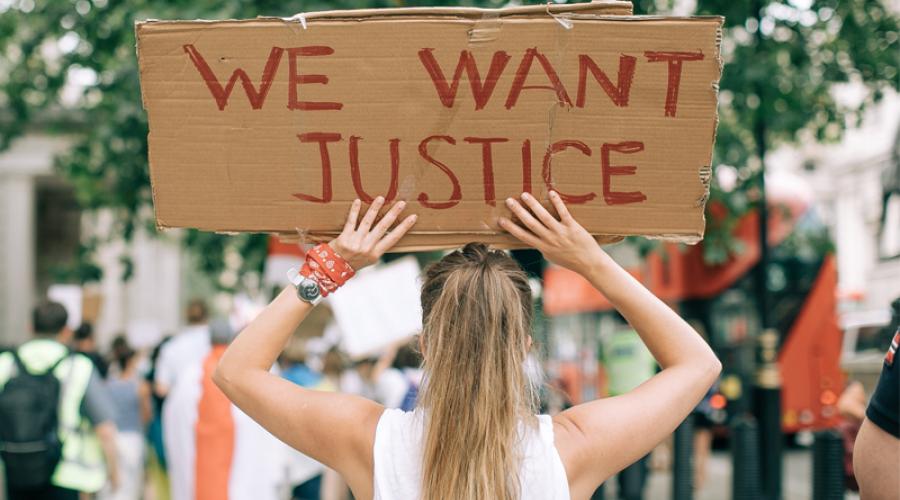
[683,461]
[768,414]
[745,484]
[767,390]
[828,465]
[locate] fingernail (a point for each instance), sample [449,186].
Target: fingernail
[380,199]
[356,201]
[510,201]
[401,204]
[501,220]
[525,196]
[553,194]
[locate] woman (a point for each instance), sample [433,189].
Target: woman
[475,435]
[130,394]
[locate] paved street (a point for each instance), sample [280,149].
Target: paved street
[797,479]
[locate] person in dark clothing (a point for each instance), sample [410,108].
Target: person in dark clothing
[83,343]
[154,428]
[87,459]
[876,456]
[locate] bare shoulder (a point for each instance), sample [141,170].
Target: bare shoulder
[358,466]
[598,438]
[566,436]
[573,443]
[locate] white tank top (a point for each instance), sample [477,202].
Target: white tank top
[398,460]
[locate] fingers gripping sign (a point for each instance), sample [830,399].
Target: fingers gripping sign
[363,244]
[561,239]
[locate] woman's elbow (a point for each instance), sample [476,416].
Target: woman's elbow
[222,377]
[714,368]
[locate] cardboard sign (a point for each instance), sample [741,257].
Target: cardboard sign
[275,125]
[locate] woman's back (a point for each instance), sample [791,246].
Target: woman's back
[124,393]
[477,312]
[398,459]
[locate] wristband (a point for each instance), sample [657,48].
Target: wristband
[327,268]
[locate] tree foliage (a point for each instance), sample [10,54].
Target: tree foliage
[783,64]
[70,66]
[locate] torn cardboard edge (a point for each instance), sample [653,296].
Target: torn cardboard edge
[432,242]
[612,7]
[605,7]
[575,16]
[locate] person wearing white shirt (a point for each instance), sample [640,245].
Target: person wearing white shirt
[187,348]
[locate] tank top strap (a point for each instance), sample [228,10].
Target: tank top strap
[545,428]
[543,475]
[397,455]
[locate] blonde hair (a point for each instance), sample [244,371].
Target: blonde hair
[477,313]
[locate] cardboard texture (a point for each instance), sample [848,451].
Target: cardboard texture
[276,125]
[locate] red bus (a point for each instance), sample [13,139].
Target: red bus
[802,283]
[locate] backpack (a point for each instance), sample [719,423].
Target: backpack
[29,426]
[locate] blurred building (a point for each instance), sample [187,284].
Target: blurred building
[41,226]
[855,187]
[843,196]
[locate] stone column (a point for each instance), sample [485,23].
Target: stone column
[16,256]
[29,156]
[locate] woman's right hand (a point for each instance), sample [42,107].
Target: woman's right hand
[364,243]
[562,240]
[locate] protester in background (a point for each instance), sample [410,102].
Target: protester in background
[628,363]
[409,362]
[474,434]
[131,395]
[214,451]
[304,473]
[295,369]
[354,379]
[375,378]
[333,365]
[52,396]
[83,343]
[156,468]
[703,436]
[876,456]
[703,424]
[852,408]
[554,396]
[185,349]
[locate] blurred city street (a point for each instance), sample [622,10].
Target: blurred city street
[242,240]
[797,479]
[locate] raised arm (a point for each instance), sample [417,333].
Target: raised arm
[335,429]
[599,438]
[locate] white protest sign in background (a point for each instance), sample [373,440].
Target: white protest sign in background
[378,307]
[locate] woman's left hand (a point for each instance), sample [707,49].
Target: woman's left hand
[363,245]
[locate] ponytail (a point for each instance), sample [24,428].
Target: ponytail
[477,310]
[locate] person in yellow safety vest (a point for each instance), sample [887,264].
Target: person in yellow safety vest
[628,363]
[85,412]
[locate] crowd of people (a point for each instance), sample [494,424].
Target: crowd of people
[231,417]
[149,424]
